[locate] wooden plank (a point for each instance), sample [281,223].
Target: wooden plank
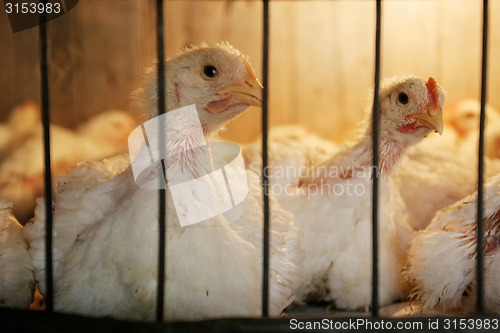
[105,48]
[19,66]
[321,55]
[238,22]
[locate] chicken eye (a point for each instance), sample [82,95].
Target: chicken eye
[403,98]
[210,71]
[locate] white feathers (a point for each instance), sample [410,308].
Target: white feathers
[431,179]
[442,258]
[105,258]
[17,282]
[292,146]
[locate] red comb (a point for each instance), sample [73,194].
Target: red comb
[433,90]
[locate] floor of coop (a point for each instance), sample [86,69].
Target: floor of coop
[317,311]
[396,310]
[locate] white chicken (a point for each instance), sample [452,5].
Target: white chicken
[464,119]
[442,258]
[106,226]
[332,202]
[21,171]
[430,180]
[17,282]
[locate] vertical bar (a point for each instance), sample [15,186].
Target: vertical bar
[265,180]
[375,140]
[480,168]
[161,192]
[49,294]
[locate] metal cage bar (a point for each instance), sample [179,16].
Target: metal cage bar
[375,152]
[480,167]
[45,98]
[265,180]
[162,225]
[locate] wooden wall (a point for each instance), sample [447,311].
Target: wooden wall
[96,55]
[322,54]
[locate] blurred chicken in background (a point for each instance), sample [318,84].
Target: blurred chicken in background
[22,123]
[292,145]
[22,162]
[461,130]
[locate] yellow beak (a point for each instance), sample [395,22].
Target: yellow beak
[432,119]
[250,92]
